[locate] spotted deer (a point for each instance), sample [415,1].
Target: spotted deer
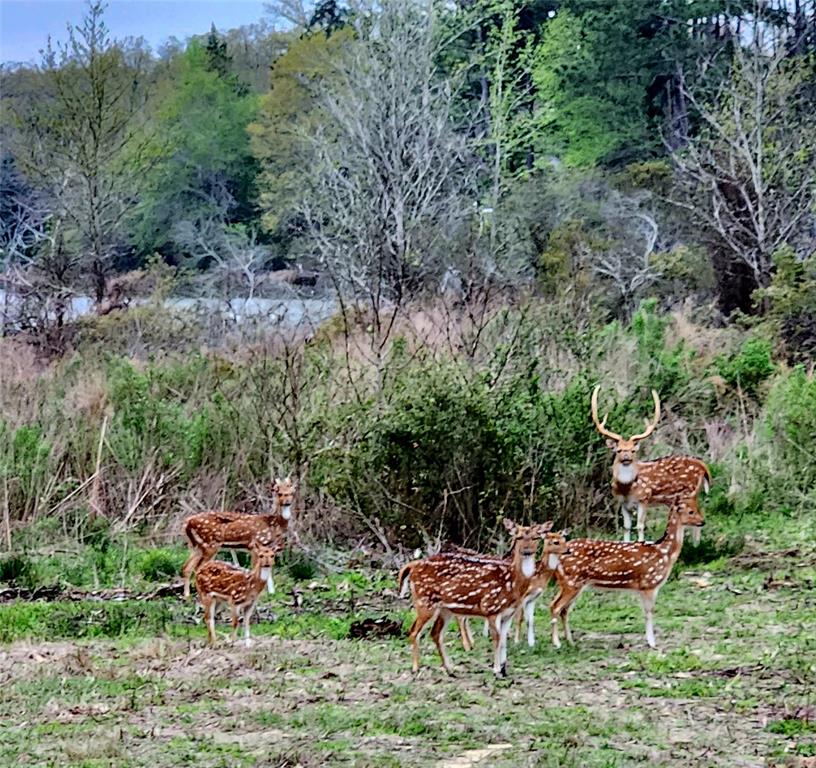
[645,483]
[209,531]
[555,545]
[461,585]
[220,582]
[637,567]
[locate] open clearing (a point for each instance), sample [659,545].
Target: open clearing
[733,684]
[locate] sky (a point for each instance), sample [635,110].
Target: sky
[26,24]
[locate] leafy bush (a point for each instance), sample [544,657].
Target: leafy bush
[749,367]
[18,569]
[161,564]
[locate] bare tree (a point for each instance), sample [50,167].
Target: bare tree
[393,178]
[78,138]
[749,177]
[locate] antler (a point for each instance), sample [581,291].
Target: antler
[600,425]
[650,426]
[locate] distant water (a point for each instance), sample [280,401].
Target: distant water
[291,312]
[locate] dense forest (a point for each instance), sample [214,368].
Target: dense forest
[505,203]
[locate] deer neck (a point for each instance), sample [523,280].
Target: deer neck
[671,542]
[625,474]
[524,569]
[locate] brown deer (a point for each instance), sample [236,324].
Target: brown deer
[644,483]
[625,566]
[209,531]
[220,582]
[555,545]
[460,585]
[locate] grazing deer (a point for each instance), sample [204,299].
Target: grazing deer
[217,581]
[644,483]
[209,531]
[627,566]
[460,585]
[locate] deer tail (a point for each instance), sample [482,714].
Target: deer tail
[191,533]
[706,480]
[402,579]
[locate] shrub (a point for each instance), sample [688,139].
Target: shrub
[160,564]
[749,367]
[18,569]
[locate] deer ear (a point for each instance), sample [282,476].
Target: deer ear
[544,528]
[611,444]
[510,526]
[565,532]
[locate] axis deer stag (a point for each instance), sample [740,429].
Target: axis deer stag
[644,483]
[636,567]
[446,586]
[220,582]
[209,531]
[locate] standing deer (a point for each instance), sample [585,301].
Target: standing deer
[625,566]
[555,545]
[460,585]
[209,531]
[217,581]
[644,483]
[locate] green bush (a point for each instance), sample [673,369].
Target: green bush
[789,434]
[18,569]
[161,564]
[749,367]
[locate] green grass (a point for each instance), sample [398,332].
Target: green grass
[132,684]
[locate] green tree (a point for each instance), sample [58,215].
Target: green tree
[204,171]
[287,115]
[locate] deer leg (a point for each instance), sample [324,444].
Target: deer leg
[234,619]
[248,611]
[234,555]
[627,522]
[437,631]
[209,615]
[529,617]
[558,608]
[486,630]
[505,622]
[464,631]
[648,599]
[422,618]
[190,564]
[641,521]
[494,622]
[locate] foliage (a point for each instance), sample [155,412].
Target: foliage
[749,367]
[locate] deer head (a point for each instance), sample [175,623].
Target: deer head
[284,492]
[555,545]
[687,512]
[263,558]
[625,450]
[525,542]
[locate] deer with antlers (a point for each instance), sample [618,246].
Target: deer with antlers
[461,585]
[209,531]
[637,567]
[220,582]
[644,483]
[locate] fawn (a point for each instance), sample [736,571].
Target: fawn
[659,481]
[460,585]
[220,582]
[209,531]
[629,566]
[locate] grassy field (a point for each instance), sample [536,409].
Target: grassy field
[732,684]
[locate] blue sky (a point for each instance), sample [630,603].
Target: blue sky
[26,24]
